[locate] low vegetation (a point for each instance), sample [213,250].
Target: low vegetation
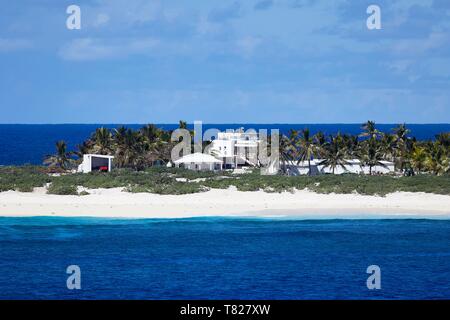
[62,189]
[23,178]
[180,181]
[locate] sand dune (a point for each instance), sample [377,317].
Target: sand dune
[302,204]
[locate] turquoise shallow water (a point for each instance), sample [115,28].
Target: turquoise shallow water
[224,258]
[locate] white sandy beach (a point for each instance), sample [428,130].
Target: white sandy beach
[301,204]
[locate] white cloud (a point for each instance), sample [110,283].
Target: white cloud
[420,46]
[263,4]
[400,66]
[222,14]
[406,68]
[438,67]
[205,27]
[8,45]
[93,49]
[102,19]
[247,45]
[405,5]
[131,11]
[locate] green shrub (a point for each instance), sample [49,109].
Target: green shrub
[62,189]
[22,178]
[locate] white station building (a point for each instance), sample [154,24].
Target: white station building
[235,148]
[96,162]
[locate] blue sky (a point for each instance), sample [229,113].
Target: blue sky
[228,61]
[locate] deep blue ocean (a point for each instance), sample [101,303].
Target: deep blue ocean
[221,258]
[28,144]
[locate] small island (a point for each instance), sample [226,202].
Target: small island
[143,181]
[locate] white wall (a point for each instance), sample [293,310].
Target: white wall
[86,165]
[201,166]
[222,148]
[353,167]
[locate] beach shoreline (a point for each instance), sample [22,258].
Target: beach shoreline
[302,204]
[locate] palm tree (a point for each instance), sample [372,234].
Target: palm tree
[443,139]
[321,142]
[61,158]
[102,139]
[134,149]
[370,131]
[388,145]
[307,148]
[157,144]
[129,148]
[352,146]
[151,132]
[335,153]
[437,161]
[401,147]
[119,146]
[418,158]
[372,155]
[287,150]
[372,151]
[182,124]
[82,149]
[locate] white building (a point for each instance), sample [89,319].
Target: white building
[302,168]
[354,166]
[235,148]
[199,161]
[95,162]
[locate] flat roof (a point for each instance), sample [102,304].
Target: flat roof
[198,158]
[99,155]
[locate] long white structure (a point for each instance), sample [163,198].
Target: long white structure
[199,161]
[96,162]
[353,166]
